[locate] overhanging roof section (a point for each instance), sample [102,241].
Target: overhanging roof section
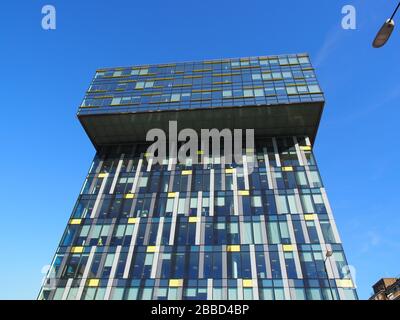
[274,95]
[290,119]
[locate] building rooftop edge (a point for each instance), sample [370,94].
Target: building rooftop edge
[204,60]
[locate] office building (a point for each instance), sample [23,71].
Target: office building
[204,228]
[386,289]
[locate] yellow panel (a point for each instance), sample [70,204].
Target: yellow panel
[77,249]
[102,175]
[229,170]
[93,282]
[233,248]
[287,168]
[175,282]
[243,193]
[171,194]
[309,217]
[75,221]
[151,249]
[287,247]
[193,219]
[132,220]
[305,148]
[200,152]
[166,65]
[129,196]
[344,283]
[186,172]
[247,283]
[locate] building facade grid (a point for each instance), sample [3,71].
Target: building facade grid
[206,229]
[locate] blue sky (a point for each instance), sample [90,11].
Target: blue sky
[45,153]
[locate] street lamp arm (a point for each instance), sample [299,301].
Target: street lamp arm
[394,13]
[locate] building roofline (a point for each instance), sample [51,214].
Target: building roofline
[304,54]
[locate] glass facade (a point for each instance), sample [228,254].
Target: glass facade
[268,80]
[211,230]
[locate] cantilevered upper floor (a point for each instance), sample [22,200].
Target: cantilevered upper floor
[275,95]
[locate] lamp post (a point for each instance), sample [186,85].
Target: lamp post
[328,254]
[385,31]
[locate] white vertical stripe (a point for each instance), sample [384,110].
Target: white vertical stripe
[282,261]
[173,221]
[295,252]
[263,230]
[211,200]
[245,173]
[319,231]
[305,231]
[297,263]
[209,289]
[267,262]
[84,185]
[298,151]
[235,195]
[137,175]
[157,253]
[206,161]
[327,263]
[276,151]
[279,207]
[291,229]
[171,159]
[99,195]
[149,163]
[66,290]
[330,215]
[268,168]
[160,231]
[131,248]
[155,263]
[241,229]
[284,273]
[297,199]
[116,175]
[342,294]
[308,175]
[198,223]
[332,262]
[85,273]
[254,271]
[240,289]
[112,273]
